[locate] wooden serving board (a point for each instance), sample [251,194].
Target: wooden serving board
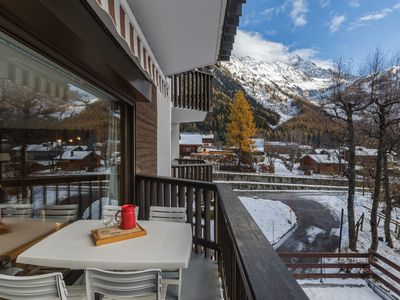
[3,228]
[107,235]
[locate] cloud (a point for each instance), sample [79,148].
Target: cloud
[336,22]
[375,16]
[268,12]
[254,45]
[353,3]
[324,3]
[299,12]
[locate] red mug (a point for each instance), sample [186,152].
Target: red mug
[126,216]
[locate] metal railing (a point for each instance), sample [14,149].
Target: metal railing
[194,169]
[223,230]
[192,90]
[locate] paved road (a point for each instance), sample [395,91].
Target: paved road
[314,223]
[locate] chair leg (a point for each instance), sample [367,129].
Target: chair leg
[180,284]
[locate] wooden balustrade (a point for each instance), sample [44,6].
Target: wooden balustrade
[194,169]
[224,230]
[192,90]
[309,265]
[67,189]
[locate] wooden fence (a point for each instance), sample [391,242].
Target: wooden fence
[371,265]
[194,169]
[192,90]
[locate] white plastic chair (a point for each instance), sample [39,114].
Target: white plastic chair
[170,214]
[120,285]
[68,212]
[20,211]
[48,286]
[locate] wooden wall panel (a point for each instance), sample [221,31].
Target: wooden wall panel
[146,136]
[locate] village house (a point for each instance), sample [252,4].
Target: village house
[189,143]
[287,148]
[257,149]
[322,164]
[78,160]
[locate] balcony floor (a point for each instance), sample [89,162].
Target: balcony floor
[200,281]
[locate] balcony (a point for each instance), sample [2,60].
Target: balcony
[194,169]
[226,240]
[192,90]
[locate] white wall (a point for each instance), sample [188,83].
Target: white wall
[175,140]
[163,135]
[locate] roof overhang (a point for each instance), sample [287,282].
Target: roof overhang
[187,34]
[55,29]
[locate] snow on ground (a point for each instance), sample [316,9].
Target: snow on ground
[282,170]
[313,232]
[274,218]
[338,201]
[335,202]
[338,289]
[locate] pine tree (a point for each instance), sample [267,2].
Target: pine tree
[241,126]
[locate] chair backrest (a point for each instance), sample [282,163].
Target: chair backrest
[47,286]
[123,284]
[68,212]
[20,211]
[168,214]
[111,210]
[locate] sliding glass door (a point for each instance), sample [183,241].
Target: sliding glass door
[60,137]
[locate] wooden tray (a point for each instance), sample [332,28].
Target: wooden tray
[3,228]
[107,235]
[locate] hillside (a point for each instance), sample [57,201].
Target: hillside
[282,95]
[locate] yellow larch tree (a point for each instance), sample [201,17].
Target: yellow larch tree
[241,127]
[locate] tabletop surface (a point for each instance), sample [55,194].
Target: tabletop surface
[23,231]
[167,245]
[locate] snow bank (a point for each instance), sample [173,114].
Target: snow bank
[274,218]
[340,292]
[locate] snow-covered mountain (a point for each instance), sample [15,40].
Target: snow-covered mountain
[277,86]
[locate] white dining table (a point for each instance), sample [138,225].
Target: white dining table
[166,246]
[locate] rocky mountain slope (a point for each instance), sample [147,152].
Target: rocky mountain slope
[278,86]
[281,94]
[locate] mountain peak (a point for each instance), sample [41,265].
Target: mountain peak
[277,85]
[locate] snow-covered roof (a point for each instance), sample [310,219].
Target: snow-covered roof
[74,155]
[277,143]
[191,139]
[362,151]
[208,136]
[304,147]
[258,145]
[326,151]
[37,147]
[325,159]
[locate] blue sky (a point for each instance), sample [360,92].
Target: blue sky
[321,30]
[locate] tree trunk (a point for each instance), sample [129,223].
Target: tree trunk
[377,182]
[388,201]
[352,186]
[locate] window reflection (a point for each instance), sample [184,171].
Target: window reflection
[59,137]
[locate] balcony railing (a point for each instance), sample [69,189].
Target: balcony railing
[192,90]
[67,189]
[225,231]
[194,169]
